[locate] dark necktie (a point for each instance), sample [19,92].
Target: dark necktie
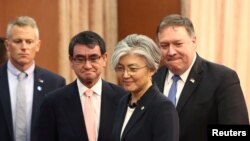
[173,89]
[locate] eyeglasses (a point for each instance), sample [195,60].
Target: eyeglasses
[82,60]
[130,70]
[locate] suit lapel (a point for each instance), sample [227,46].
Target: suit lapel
[73,110]
[133,119]
[187,91]
[38,94]
[140,109]
[160,76]
[5,98]
[108,103]
[120,116]
[191,83]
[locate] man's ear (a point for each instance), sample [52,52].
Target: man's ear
[105,58]
[38,45]
[6,43]
[71,61]
[194,42]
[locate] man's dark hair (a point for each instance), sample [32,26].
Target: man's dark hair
[88,38]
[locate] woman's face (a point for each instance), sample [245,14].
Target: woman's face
[133,73]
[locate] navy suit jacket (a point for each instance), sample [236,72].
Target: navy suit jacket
[154,119]
[212,95]
[47,80]
[62,117]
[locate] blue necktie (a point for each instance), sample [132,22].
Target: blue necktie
[173,89]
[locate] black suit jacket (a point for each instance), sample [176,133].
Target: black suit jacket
[154,119]
[62,118]
[212,95]
[47,80]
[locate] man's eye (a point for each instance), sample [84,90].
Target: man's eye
[80,59]
[164,45]
[29,41]
[178,44]
[17,41]
[93,58]
[26,41]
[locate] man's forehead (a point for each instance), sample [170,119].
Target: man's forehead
[23,32]
[86,50]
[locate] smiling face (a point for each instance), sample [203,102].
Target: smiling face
[22,45]
[133,74]
[177,47]
[88,63]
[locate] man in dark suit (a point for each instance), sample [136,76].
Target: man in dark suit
[63,115]
[23,43]
[207,93]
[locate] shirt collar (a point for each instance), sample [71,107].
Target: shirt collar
[16,72]
[97,88]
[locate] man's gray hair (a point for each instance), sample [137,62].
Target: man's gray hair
[21,22]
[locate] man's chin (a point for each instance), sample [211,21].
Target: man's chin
[89,79]
[174,69]
[23,61]
[88,82]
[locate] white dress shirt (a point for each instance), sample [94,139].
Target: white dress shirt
[129,113]
[29,85]
[96,97]
[180,83]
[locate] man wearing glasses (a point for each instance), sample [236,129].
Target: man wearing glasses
[83,110]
